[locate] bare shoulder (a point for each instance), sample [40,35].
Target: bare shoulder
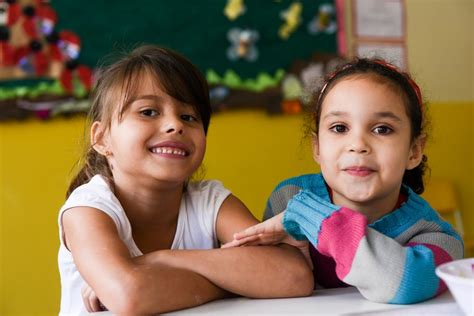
[79,221]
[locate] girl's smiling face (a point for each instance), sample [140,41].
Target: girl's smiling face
[364,144]
[157,138]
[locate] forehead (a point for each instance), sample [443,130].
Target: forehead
[125,91]
[367,91]
[149,82]
[149,87]
[142,83]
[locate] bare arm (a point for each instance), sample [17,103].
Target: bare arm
[126,285]
[259,272]
[173,279]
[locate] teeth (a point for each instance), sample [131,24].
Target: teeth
[168,150]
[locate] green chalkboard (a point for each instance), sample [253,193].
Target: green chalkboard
[198,29]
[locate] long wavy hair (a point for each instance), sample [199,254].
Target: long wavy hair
[118,84]
[402,83]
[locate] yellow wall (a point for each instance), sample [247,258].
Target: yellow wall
[249,151]
[439,39]
[440,48]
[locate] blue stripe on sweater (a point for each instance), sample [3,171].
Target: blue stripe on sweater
[305,214]
[311,182]
[410,212]
[419,280]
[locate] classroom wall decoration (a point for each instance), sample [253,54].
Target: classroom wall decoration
[267,54]
[379,29]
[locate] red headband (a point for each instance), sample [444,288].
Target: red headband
[412,83]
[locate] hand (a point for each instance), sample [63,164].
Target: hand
[269,232]
[91,301]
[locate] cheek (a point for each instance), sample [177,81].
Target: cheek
[203,147]
[396,160]
[327,150]
[201,142]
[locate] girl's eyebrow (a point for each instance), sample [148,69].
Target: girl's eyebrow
[388,114]
[147,97]
[159,99]
[335,113]
[384,114]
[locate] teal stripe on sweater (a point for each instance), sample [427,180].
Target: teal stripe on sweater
[305,214]
[419,280]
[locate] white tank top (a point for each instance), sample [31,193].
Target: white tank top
[196,228]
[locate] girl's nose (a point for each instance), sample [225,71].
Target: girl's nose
[172,130]
[359,150]
[359,144]
[173,125]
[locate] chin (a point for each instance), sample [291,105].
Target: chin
[357,197]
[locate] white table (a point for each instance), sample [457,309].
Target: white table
[342,301]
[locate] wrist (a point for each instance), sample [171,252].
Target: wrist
[176,258]
[155,257]
[305,214]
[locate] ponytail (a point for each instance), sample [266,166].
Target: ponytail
[414,178]
[94,163]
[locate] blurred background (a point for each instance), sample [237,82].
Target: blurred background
[261,58]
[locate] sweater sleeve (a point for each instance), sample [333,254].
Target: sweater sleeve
[392,261]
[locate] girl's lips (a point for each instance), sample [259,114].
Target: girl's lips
[359,171]
[170,149]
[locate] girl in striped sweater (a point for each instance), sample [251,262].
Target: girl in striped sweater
[366,224]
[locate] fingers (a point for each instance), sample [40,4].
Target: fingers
[251,231]
[303,247]
[85,292]
[231,244]
[269,232]
[240,242]
[256,240]
[91,301]
[272,225]
[264,239]
[307,256]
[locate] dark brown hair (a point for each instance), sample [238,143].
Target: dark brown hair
[117,85]
[402,83]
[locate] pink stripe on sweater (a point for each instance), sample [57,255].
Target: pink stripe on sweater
[440,257]
[339,238]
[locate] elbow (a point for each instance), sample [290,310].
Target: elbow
[306,281]
[299,275]
[301,280]
[125,298]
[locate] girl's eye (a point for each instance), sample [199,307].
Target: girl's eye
[149,112]
[189,118]
[339,128]
[383,130]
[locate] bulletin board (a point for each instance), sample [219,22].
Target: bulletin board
[379,30]
[286,36]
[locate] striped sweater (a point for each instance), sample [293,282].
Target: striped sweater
[391,260]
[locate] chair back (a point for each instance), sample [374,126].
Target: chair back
[442,196]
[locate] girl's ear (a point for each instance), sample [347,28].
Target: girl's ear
[315,146]
[416,152]
[98,138]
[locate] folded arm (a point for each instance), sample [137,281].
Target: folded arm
[381,267]
[248,271]
[170,279]
[399,268]
[255,272]
[124,284]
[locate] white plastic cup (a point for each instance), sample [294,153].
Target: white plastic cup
[459,277]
